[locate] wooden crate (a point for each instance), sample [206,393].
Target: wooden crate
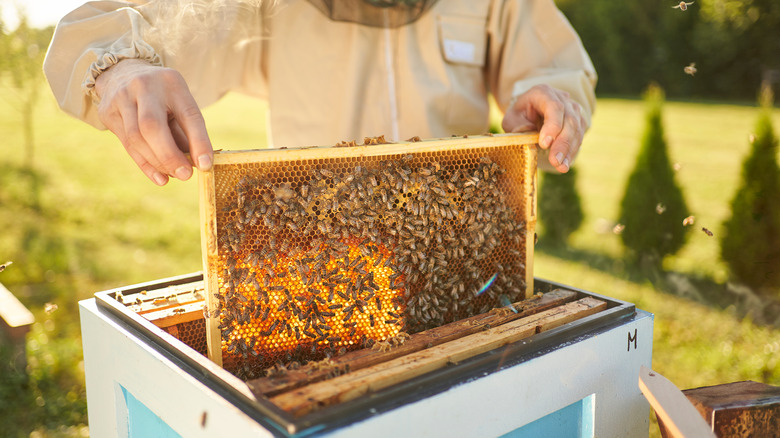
[404,236]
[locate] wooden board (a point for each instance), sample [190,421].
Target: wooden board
[209,251]
[329,152]
[677,413]
[361,382]
[169,305]
[176,315]
[737,409]
[15,318]
[356,360]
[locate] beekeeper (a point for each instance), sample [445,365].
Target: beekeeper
[331,70]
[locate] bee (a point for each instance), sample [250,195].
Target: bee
[688,220]
[50,308]
[326,173]
[690,69]
[683,6]
[660,208]
[707,232]
[617,229]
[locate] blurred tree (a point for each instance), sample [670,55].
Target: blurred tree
[737,44]
[751,240]
[633,43]
[734,44]
[653,205]
[560,209]
[20,71]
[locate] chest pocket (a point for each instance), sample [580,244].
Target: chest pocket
[463,40]
[463,45]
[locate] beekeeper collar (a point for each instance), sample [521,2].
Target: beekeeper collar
[375,13]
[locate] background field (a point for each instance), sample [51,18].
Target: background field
[86,220]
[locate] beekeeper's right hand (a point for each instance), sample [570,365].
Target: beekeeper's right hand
[152,112]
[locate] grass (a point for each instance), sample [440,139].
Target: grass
[87,220]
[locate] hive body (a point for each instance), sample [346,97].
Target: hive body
[313,252]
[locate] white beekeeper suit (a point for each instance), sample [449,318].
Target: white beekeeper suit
[328,80]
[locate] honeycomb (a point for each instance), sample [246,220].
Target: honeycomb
[315,256]
[192,333]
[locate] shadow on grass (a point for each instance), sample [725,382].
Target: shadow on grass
[740,300]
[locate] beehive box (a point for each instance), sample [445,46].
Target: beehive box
[314,252]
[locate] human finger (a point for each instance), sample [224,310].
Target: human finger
[179,137]
[190,120]
[120,117]
[567,143]
[548,103]
[153,124]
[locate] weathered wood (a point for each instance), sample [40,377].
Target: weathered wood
[14,315]
[670,405]
[355,360]
[360,382]
[209,252]
[737,409]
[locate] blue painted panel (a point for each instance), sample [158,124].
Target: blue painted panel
[142,422]
[575,420]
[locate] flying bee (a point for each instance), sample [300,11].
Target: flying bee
[688,220]
[660,208]
[5,265]
[683,6]
[690,69]
[707,232]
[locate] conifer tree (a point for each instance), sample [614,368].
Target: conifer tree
[560,209]
[750,242]
[653,206]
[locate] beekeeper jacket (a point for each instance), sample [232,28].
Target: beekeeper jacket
[327,81]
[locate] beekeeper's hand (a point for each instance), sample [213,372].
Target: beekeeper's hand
[558,118]
[155,117]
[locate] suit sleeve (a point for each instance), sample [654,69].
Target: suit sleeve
[216,50]
[532,43]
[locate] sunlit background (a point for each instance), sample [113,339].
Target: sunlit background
[78,217]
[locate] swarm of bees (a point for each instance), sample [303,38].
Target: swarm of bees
[346,258]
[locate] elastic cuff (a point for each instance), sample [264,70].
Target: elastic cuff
[139,50]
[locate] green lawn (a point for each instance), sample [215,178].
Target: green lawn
[97,222]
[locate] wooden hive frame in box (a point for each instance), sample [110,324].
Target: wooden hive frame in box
[312,252]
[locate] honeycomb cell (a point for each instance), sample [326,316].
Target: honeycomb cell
[331,255]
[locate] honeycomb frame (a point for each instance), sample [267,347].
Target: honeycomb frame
[242,180]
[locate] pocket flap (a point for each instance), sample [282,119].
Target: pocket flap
[463,39]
